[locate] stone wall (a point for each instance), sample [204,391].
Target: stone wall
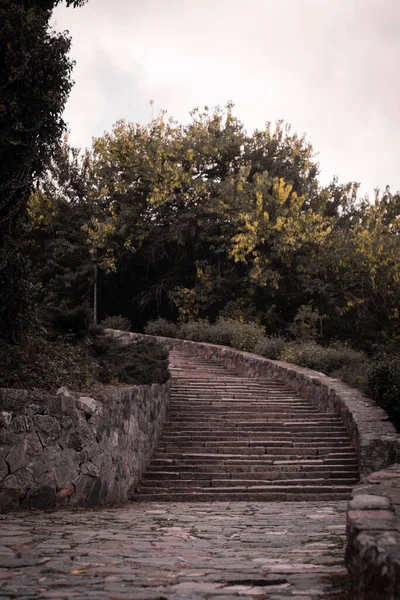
[58,450]
[373,537]
[374,437]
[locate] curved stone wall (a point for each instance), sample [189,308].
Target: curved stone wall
[58,450]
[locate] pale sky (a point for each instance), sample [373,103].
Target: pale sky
[328,67]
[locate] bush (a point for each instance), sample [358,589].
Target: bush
[197,331]
[305,323]
[240,335]
[384,386]
[74,322]
[47,364]
[225,332]
[338,360]
[116,322]
[161,327]
[138,363]
[271,347]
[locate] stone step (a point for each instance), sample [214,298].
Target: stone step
[239,496]
[246,466]
[261,475]
[201,482]
[259,450]
[250,442]
[232,437]
[244,438]
[265,458]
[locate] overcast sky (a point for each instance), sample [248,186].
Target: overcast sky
[328,67]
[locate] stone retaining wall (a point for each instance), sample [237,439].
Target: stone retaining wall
[373,537]
[58,450]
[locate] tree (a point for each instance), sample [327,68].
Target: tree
[34,85]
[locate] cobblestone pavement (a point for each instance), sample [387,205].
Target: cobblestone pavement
[176,551]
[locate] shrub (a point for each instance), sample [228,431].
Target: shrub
[138,363]
[240,335]
[304,326]
[74,322]
[271,347]
[338,360]
[197,331]
[384,385]
[161,327]
[116,322]
[47,364]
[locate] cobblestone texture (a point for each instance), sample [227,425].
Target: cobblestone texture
[187,551]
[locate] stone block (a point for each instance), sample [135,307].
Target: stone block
[369,502]
[87,405]
[25,448]
[22,424]
[48,429]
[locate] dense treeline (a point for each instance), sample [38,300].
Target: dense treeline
[44,348]
[204,220]
[34,85]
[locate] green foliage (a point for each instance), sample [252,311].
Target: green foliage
[75,322]
[337,360]
[136,364]
[384,385]
[305,323]
[34,85]
[161,327]
[271,347]
[224,332]
[116,322]
[238,334]
[47,364]
[74,353]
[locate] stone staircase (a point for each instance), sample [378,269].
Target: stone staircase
[229,437]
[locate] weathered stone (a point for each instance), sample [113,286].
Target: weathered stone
[87,405]
[5,418]
[64,391]
[3,464]
[22,424]
[25,448]
[89,468]
[189,551]
[48,429]
[42,497]
[50,452]
[369,502]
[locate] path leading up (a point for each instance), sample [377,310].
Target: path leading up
[167,551]
[233,438]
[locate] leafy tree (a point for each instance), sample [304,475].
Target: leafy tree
[34,85]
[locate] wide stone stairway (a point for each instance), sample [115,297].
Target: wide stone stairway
[228,438]
[233,438]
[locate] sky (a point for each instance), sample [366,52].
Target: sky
[330,68]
